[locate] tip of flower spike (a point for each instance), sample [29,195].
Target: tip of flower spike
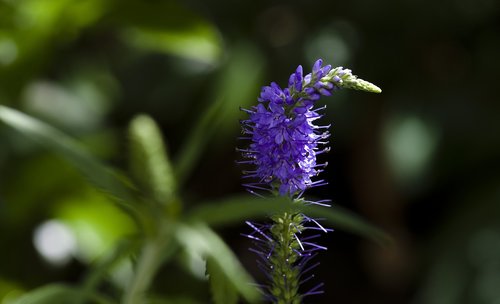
[369,87]
[343,78]
[356,83]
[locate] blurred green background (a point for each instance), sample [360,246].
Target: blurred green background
[421,160]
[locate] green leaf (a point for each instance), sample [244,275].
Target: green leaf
[47,25]
[155,251]
[100,269]
[237,209]
[168,27]
[340,218]
[223,291]
[198,239]
[149,162]
[57,293]
[199,42]
[101,176]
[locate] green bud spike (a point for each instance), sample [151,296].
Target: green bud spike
[150,164]
[284,270]
[343,78]
[360,84]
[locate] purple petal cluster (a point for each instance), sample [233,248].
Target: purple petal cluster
[284,139]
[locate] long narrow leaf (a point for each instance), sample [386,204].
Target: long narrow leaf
[58,293]
[340,218]
[97,173]
[199,239]
[222,290]
[237,209]
[100,269]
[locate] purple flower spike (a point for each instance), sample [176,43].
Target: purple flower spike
[284,144]
[284,138]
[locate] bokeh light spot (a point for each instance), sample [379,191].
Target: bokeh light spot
[54,242]
[335,44]
[409,143]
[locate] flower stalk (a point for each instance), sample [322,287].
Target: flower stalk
[284,144]
[156,248]
[285,274]
[147,265]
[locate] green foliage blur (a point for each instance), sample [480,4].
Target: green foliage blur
[419,160]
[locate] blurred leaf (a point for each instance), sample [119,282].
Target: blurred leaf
[149,162]
[198,239]
[340,218]
[236,87]
[33,30]
[237,209]
[9,290]
[100,175]
[57,293]
[154,252]
[85,96]
[199,42]
[101,268]
[32,173]
[222,290]
[48,16]
[166,26]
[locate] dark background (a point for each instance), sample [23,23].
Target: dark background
[421,160]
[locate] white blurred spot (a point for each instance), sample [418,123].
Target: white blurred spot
[8,51]
[55,242]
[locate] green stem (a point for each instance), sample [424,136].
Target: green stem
[99,270]
[147,265]
[284,272]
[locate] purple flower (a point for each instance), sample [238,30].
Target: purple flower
[284,139]
[284,143]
